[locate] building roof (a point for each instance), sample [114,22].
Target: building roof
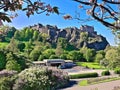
[53,60]
[39,62]
[70,61]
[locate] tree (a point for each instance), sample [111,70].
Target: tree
[41,57]
[53,57]
[89,55]
[13,65]
[2,60]
[17,35]
[28,48]
[19,59]
[61,45]
[9,56]
[35,35]
[47,53]
[75,55]
[112,57]
[8,8]
[11,31]
[98,57]
[13,46]
[103,11]
[21,46]
[34,55]
[59,50]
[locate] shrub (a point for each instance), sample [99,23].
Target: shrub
[40,78]
[6,83]
[6,73]
[104,73]
[117,71]
[84,75]
[7,79]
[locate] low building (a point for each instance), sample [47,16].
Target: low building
[39,63]
[54,62]
[61,63]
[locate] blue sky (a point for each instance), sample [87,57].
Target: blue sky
[65,7]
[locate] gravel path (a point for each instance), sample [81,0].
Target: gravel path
[101,86]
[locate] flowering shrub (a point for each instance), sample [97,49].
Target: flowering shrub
[41,78]
[6,73]
[7,79]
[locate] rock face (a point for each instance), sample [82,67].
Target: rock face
[84,36]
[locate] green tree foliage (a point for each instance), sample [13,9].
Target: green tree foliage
[98,57]
[28,48]
[2,60]
[35,35]
[75,55]
[59,50]
[21,46]
[10,32]
[104,63]
[43,37]
[28,34]
[9,56]
[17,35]
[53,57]
[112,57]
[63,56]
[89,55]
[41,57]
[19,59]
[7,33]
[61,46]
[13,46]
[48,52]
[13,65]
[34,55]
[22,61]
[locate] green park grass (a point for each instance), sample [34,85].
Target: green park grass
[95,81]
[3,44]
[92,65]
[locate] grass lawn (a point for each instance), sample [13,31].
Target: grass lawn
[3,44]
[89,65]
[97,81]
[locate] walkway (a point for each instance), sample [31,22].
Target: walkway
[102,86]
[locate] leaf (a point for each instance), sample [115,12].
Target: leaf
[5,18]
[56,10]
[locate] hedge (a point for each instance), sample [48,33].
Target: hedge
[105,73]
[117,71]
[84,75]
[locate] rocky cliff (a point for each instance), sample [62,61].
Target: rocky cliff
[79,37]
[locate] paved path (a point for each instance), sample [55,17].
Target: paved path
[101,86]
